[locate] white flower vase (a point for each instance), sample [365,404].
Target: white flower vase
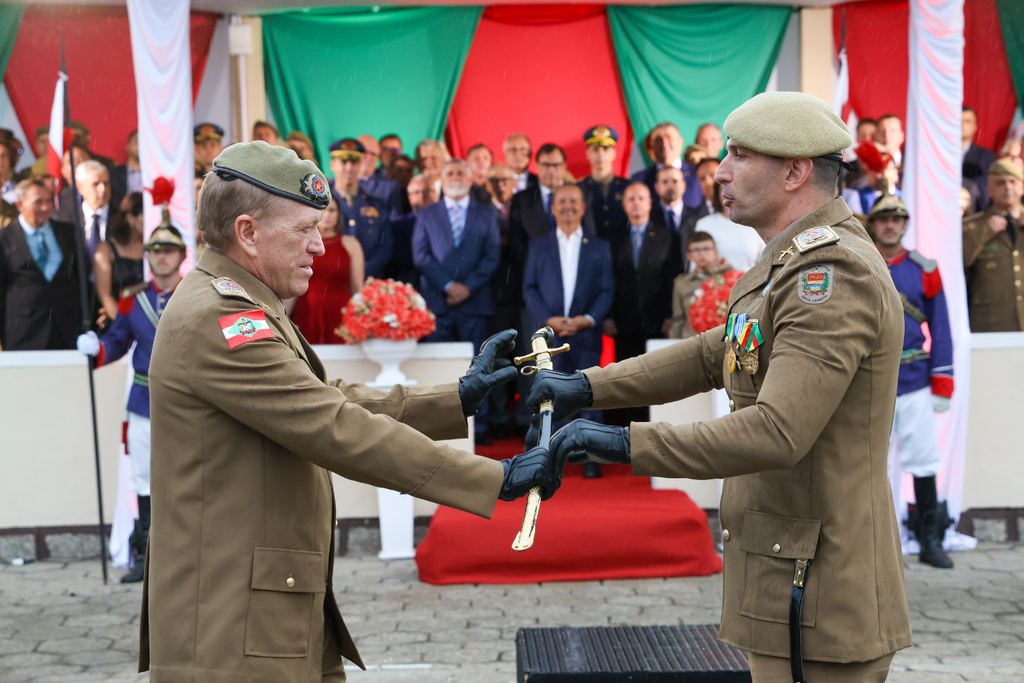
[390,355]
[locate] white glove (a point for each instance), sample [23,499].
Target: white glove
[88,344]
[940,404]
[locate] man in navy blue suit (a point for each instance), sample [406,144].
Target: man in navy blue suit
[664,144]
[456,247]
[568,285]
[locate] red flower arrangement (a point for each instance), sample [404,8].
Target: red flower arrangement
[710,305]
[385,309]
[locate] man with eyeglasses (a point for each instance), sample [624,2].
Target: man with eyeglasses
[705,263]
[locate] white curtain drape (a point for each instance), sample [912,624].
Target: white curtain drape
[163,80]
[931,189]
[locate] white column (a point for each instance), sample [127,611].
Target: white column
[163,80]
[931,190]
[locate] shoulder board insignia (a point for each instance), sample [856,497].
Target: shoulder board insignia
[814,238]
[129,292]
[370,211]
[245,327]
[927,265]
[815,284]
[227,287]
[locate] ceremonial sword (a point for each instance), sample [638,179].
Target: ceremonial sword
[541,342]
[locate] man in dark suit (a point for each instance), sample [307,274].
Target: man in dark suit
[127,177]
[531,216]
[602,188]
[647,259]
[456,247]
[39,289]
[363,215]
[568,286]
[705,173]
[976,161]
[517,150]
[92,180]
[664,145]
[421,193]
[376,184]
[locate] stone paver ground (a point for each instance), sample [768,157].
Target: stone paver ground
[58,622]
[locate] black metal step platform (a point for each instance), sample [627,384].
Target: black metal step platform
[633,654]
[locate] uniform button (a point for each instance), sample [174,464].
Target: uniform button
[777,548]
[1020,298]
[351,221]
[1016,253]
[1016,269]
[725,534]
[1016,283]
[732,406]
[290,582]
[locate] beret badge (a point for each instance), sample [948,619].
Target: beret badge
[314,187]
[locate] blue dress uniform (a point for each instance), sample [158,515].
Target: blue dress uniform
[605,208]
[366,219]
[925,385]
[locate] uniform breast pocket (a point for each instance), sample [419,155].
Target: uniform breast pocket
[285,598]
[772,544]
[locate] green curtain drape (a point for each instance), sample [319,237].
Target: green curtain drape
[335,73]
[693,64]
[10,22]
[1011,18]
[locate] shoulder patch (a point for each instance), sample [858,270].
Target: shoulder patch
[927,265]
[129,292]
[814,238]
[127,301]
[227,287]
[244,327]
[816,283]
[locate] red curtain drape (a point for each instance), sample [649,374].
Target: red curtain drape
[101,80]
[877,51]
[547,71]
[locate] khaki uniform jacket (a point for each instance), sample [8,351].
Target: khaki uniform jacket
[683,288]
[804,451]
[238,581]
[993,265]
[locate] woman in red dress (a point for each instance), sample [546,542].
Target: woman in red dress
[337,275]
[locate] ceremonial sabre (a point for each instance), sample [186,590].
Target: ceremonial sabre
[541,341]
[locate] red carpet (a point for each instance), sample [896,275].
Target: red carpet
[616,527]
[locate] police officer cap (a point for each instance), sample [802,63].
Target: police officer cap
[165,236]
[347,149]
[888,205]
[207,131]
[1006,167]
[791,125]
[605,136]
[275,169]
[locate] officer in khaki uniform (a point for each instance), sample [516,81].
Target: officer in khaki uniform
[809,357]
[993,257]
[246,430]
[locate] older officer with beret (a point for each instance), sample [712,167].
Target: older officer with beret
[809,356]
[246,430]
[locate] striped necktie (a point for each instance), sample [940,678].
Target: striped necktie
[458,220]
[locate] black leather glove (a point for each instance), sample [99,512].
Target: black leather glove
[584,441]
[529,469]
[491,367]
[570,393]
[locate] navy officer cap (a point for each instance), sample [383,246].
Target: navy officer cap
[605,136]
[347,149]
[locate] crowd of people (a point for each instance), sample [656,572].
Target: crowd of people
[489,244]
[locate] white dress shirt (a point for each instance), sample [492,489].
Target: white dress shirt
[87,215]
[522,179]
[569,259]
[677,212]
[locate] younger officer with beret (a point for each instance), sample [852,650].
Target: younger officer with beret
[139,312]
[363,215]
[926,377]
[247,429]
[809,357]
[602,188]
[994,254]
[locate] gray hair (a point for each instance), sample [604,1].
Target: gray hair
[24,186]
[222,200]
[90,166]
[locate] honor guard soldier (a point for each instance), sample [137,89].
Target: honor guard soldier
[207,138]
[926,377]
[138,314]
[809,357]
[602,188]
[247,430]
[363,215]
[994,254]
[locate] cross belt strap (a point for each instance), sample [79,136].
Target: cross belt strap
[796,606]
[913,311]
[141,379]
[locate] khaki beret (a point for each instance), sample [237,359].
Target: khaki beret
[275,169]
[1006,166]
[791,125]
[888,205]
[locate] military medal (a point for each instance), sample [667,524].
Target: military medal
[750,363]
[730,361]
[748,337]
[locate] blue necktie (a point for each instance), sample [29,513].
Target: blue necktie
[670,219]
[94,236]
[638,243]
[547,209]
[458,221]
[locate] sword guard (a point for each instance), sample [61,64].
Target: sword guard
[529,370]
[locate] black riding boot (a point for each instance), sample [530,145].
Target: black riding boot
[930,528]
[139,540]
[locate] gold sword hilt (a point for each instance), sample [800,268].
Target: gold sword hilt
[541,356]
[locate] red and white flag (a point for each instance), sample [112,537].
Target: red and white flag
[60,137]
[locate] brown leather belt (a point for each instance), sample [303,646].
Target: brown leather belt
[796,606]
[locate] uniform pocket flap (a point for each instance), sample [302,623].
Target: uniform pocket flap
[288,571]
[786,537]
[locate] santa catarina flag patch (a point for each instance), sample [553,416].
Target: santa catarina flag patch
[245,327]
